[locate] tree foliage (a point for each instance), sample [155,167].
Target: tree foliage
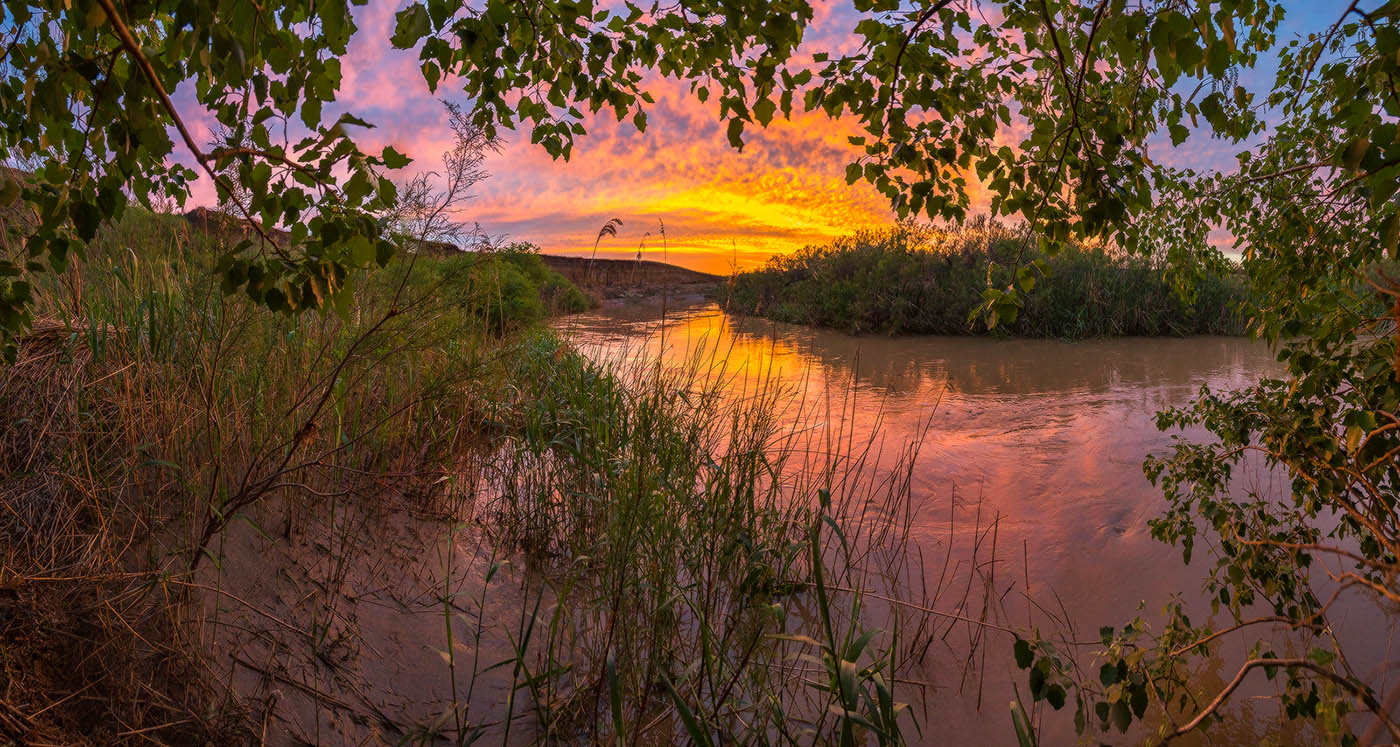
[1312,210]
[1056,107]
[87,94]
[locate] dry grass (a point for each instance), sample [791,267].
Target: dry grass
[144,415]
[92,647]
[206,510]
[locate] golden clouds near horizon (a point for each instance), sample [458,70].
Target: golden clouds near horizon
[786,190]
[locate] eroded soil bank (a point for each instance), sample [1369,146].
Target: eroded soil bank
[633,279]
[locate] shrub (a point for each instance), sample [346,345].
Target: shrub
[506,290]
[916,280]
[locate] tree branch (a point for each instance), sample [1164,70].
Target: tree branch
[909,37]
[132,48]
[1360,692]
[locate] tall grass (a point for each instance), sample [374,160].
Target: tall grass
[669,517]
[686,567]
[149,412]
[915,280]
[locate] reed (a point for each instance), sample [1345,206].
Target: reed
[676,523]
[205,494]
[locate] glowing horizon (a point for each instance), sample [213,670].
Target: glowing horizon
[722,209]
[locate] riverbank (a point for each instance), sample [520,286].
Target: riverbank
[420,518]
[430,517]
[913,280]
[613,279]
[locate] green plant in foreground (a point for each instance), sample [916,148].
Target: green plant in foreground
[855,679]
[662,512]
[1313,212]
[1025,733]
[863,694]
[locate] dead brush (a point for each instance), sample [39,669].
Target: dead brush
[91,648]
[147,414]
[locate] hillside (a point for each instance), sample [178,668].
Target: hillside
[626,278]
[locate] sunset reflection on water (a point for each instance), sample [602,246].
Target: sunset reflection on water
[1044,437]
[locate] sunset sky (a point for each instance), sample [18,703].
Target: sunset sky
[720,208]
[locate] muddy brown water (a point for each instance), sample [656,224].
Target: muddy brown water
[1046,438]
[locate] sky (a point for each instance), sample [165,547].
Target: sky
[719,209]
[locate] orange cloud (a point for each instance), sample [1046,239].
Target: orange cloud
[720,208]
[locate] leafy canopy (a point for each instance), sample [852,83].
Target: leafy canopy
[1055,106]
[87,105]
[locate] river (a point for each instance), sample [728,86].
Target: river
[1045,438]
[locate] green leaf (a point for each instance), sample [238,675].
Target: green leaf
[1024,654]
[384,251]
[275,299]
[698,735]
[311,113]
[763,111]
[615,700]
[86,220]
[1025,278]
[1322,657]
[394,159]
[1122,717]
[736,133]
[1354,151]
[1037,683]
[411,24]
[96,16]
[1139,700]
[362,251]
[9,190]
[1354,435]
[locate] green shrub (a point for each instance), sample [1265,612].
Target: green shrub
[509,289]
[916,280]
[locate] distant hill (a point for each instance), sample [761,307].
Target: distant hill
[627,278]
[237,228]
[600,278]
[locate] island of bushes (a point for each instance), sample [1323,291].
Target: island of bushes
[912,279]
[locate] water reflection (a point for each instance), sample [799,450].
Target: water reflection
[1045,438]
[907,365]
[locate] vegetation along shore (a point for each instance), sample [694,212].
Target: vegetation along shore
[186,531]
[918,280]
[294,451]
